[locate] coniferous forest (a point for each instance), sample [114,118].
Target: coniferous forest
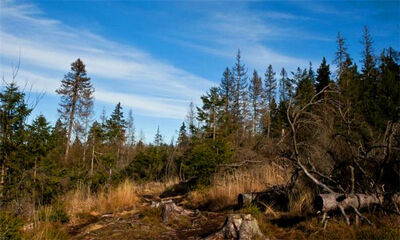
[308,154]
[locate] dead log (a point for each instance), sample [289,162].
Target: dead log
[275,197]
[238,226]
[334,201]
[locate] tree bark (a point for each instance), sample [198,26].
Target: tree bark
[333,201]
[238,226]
[71,122]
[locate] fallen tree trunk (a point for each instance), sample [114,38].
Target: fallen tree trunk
[334,201]
[238,226]
[276,197]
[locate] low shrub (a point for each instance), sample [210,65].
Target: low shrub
[10,226]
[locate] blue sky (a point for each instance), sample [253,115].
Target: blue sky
[157,56]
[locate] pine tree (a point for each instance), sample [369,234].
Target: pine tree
[369,83]
[283,86]
[76,98]
[13,113]
[256,95]
[341,55]
[211,112]
[116,125]
[305,88]
[323,76]
[239,103]
[116,129]
[369,62]
[226,89]
[38,147]
[388,87]
[158,139]
[183,138]
[270,94]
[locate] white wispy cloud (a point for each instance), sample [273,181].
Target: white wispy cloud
[48,47]
[222,32]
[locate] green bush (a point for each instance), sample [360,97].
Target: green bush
[252,209]
[54,213]
[10,226]
[204,159]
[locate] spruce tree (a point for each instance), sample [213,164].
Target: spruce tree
[239,104]
[226,89]
[76,98]
[256,95]
[388,87]
[158,139]
[323,76]
[39,138]
[283,86]
[341,55]
[116,125]
[211,111]
[305,88]
[13,113]
[369,77]
[270,94]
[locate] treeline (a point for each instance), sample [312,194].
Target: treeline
[323,121]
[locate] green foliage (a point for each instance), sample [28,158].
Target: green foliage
[10,226]
[252,209]
[323,77]
[116,126]
[53,213]
[305,88]
[204,159]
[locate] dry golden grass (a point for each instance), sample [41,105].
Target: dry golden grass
[109,200]
[226,187]
[114,199]
[155,188]
[46,231]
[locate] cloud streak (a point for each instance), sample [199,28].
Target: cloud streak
[48,46]
[221,33]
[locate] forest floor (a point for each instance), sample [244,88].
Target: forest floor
[145,222]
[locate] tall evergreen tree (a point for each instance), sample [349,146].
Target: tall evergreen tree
[305,88]
[389,87]
[116,125]
[226,89]
[341,55]
[369,77]
[76,98]
[211,112]
[283,86]
[158,139]
[270,94]
[38,147]
[256,95]
[13,113]
[323,76]
[239,103]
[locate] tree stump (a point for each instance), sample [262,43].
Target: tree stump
[171,211]
[238,226]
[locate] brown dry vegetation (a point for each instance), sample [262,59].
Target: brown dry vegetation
[120,212]
[225,187]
